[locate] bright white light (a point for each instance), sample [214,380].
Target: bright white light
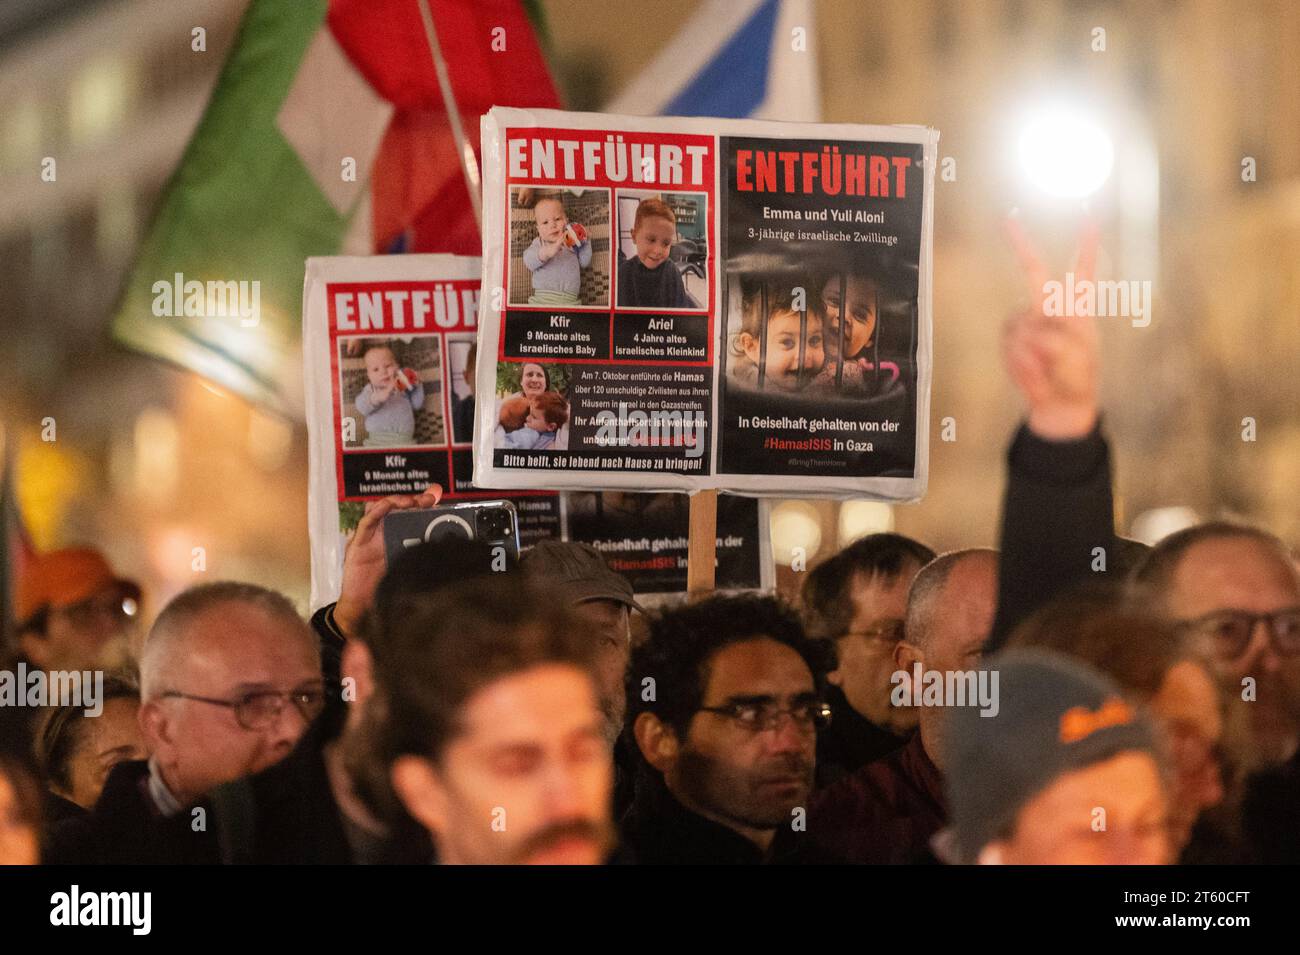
[1153,526]
[1065,153]
[796,532]
[860,518]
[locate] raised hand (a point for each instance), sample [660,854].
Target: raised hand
[364,561]
[1053,358]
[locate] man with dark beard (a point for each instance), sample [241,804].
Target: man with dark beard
[725,710]
[1233,589]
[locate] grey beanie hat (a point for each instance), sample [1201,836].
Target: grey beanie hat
[1055,715]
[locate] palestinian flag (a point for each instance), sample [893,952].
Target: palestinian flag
[326,134]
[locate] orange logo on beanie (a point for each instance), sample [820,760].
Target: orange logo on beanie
[1079,722]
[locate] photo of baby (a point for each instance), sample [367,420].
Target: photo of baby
[855,362]
[818,334]
[391,392]
[776,335]
[530,424]
[662,250]
[559,247]
[532,407]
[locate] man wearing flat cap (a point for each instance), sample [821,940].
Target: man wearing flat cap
[602,599]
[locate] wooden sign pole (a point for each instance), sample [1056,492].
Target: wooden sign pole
[702,552]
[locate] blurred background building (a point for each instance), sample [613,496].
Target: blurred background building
[170,475]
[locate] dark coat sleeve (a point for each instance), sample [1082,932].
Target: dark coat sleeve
[331,661]
[1057,510]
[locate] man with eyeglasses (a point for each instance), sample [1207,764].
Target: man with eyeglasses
[230,679]
[328,802]
[889,810]
[725,711]
[1235,591]
[858,599]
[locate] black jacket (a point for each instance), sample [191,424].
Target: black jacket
[126,828]
[850,742]
[1270,815]
[1058,507]
[57,809]
[659,830]
[287,815]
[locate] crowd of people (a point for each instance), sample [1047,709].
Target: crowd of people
[1069,697]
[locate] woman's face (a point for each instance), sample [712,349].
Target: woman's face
[112,738]
[532,381]
[861,293]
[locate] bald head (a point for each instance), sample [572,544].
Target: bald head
[231,677]
[949,618]
[198,621]
[952,601]
[1217,566]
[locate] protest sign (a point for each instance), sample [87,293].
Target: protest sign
[645,536]
[412,320]
[686,304]
[387,344]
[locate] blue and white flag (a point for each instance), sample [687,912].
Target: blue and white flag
[733,58]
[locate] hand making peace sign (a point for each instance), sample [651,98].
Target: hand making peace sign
[1053,358]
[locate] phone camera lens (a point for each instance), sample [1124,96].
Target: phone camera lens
[494,523]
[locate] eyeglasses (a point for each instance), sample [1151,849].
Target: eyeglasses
[759,716]
[261,708]
[889,630]
[1229,631]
